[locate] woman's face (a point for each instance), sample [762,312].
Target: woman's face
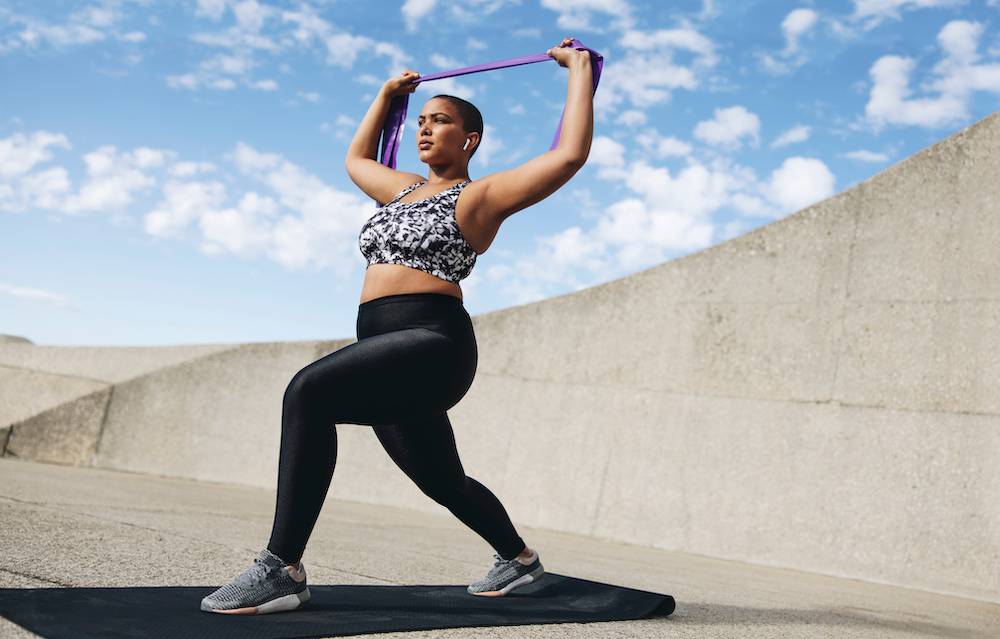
[440,124]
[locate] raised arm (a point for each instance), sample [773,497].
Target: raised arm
[507,192]
[374,178]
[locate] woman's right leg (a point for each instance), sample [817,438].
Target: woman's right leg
[380,380]
[425,450]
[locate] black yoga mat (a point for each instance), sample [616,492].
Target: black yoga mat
[173,611]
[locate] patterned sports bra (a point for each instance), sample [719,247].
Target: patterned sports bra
[423,235]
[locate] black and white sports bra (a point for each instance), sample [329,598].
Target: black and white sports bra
[423,235]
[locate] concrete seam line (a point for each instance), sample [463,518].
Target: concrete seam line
[104,422]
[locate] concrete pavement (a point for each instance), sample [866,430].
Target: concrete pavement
[65,526]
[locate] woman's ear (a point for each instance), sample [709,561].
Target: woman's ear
[468,140]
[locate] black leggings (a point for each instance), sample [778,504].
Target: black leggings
[414,359]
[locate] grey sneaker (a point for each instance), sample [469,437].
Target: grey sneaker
[267,586]
[506,575]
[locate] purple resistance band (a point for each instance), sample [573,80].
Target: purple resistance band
[392,132]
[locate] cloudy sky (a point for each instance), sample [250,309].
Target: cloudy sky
[172,173]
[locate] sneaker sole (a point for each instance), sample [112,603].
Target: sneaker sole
[281,604]
[534,575]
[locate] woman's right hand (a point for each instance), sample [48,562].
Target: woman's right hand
[567,56]
[402,83]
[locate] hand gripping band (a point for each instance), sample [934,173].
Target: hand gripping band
[392,131]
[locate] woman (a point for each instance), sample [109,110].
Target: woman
[416,352]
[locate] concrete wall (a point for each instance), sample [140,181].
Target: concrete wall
[819,394]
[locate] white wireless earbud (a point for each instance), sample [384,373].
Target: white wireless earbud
[466,144]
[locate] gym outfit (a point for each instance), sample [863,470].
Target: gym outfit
[415,357]
[423,235]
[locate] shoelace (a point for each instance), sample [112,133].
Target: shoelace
[500,562]
[259,571]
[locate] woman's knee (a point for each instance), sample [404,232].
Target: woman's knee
[298,386]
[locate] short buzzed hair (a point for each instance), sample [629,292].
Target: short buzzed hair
[472,119]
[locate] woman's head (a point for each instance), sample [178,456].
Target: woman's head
[450,123]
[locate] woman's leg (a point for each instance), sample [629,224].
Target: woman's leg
[425,450]
[383,379]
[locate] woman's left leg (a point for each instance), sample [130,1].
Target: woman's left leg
[425,450]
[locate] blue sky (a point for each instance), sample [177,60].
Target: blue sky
[172,173]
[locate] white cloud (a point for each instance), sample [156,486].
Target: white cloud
[796,23]
[33,294]
[46,189]
[606,152]
[249,16]
[186,81]
[444,62]
[242,230]
[647,73]
[576,15]
[794,135]
[451,86]
[20,153]
[708,10]
[955,77]
[20,188]
[533,33]
[259,30]
[341,49]
[283,213]
[490,146]
[631,118]
[473,12]
[114,177]
[90,24]
[414,10]
[182,203]
[223,84]
[343,127]
[873,12]
[97,16]
[671,147]
[212,9]
[312,236]
[660,146]
[863,155]
[265,85]
[728,128]
[800,182]
[187,169]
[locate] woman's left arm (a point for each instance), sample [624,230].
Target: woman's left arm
[578,121]
[507,192]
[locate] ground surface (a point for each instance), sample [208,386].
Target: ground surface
[65,526]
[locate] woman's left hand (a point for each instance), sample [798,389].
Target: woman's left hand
[566,55]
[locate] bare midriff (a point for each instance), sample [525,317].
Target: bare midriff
[394,279]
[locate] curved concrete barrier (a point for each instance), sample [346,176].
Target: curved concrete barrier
[818,394]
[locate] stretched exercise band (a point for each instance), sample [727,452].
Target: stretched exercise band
[392,132]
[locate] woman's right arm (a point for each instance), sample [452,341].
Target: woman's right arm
[374,178]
